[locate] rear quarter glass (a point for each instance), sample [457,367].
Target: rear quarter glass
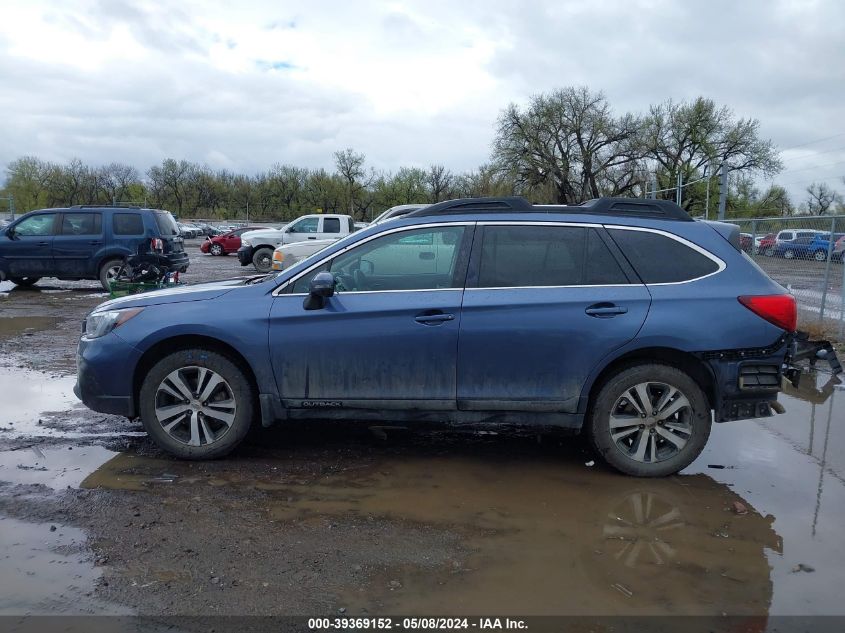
[659,258]
[166,223]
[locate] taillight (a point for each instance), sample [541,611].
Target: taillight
[156,244]
[780,310]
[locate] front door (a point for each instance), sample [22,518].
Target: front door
[388,337]
[544,303]
[28,249]
[307,228]
[78,241]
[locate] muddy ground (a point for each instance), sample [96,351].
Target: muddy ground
[330,518]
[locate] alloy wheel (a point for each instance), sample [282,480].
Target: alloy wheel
[195,405]
[651,422]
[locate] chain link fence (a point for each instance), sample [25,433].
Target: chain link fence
[803,254]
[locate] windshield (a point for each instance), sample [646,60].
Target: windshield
[166,223]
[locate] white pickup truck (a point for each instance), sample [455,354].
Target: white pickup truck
[286,255]
[257,246]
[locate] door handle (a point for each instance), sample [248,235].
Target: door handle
[433,319]
[312,238]
[43,243]
[605,310]
[95,242]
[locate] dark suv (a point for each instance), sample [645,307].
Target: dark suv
[85,242]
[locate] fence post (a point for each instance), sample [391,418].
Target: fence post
[753,237]
[826,280]
[842,301]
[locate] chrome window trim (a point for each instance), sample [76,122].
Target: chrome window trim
[279,291]
[718,261]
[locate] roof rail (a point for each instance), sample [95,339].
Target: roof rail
[509,204]
[640,207]
[620,207]
[119,205]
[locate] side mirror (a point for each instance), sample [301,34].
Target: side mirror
[320,289]
[10,233]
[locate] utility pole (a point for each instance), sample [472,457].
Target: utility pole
[723,190]
[679,191]
[653,186]
[707,197]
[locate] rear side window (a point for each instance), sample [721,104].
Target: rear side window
[81,224]
[128,224]
[659,259]
[166,223]
[331,225]
[519,256]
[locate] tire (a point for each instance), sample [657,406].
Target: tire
[667,449]
[262,259]
[216,249]
[199,430]
[820,255]
[24,282]
[769,252]
[109,270]
[788,254]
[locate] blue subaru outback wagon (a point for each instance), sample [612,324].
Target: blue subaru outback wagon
[623,319]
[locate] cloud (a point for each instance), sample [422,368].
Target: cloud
[241,86]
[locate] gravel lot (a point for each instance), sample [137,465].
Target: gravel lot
[335,518]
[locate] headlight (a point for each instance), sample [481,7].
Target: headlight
[101,323]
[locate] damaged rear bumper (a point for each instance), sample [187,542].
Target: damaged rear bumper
[748,381]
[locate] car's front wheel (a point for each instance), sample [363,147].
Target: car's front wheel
[196,404]
[216,249]
[649,420]
[262,259]
[789,254]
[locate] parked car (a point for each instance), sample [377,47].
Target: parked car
[257,246]
[620,318]
[838,248]
[187,231]
[227,242]
[805,247]
[746,242]
[286,255]
[85,242]
[765,245]
[789,235]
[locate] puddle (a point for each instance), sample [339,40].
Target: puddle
[45,572]
[56,468]
[16,326]
[27,395]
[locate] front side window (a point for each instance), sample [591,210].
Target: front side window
[305,225]
[81,224]
[418,259]
[660,259]
[331,225]
[128,224]
[542,255]
[36,225]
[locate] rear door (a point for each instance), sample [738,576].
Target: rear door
[329,229]
[544,303]
[29,251]
[78,243]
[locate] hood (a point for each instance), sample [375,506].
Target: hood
[177,294]
[245,237]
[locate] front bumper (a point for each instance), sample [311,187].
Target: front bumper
[245,254]
[104,372]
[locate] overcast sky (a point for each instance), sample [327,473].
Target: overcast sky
[242,84]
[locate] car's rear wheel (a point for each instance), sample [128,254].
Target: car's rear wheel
[24,282]
[196,404]
[109,271]
[216,249]
[649,420]
[769,252]
[262,259]
[820,255]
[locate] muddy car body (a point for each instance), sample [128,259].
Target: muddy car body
[620,318]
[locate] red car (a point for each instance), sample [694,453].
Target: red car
[228,242]
[766,246]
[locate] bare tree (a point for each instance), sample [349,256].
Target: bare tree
[820,198]
[439,181]
[350,166]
